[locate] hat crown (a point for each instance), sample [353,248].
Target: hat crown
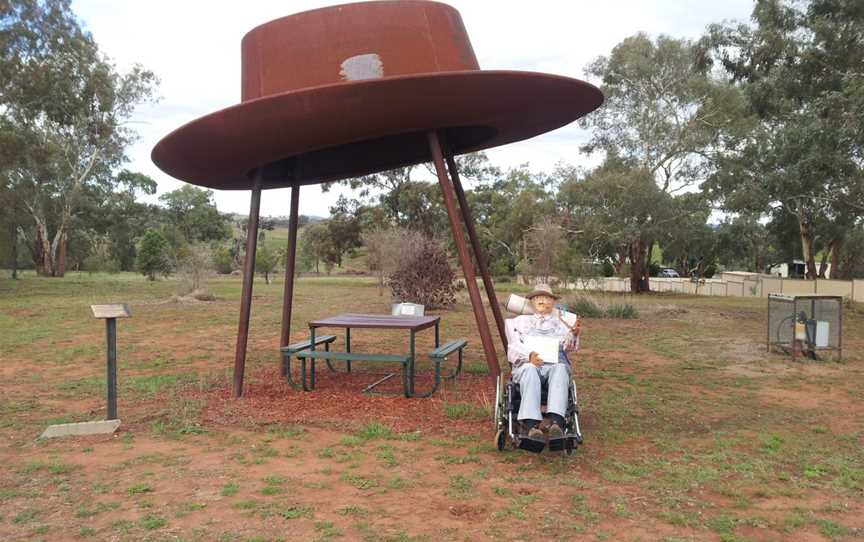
[541,289]
[351,42]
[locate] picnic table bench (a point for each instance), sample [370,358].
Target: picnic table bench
[413,324]
[291,349]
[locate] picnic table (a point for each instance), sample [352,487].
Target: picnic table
[412,324]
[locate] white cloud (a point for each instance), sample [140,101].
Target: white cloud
[194,48]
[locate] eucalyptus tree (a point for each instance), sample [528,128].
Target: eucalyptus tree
[505,209]
[620,208]
[690,242]
[743,242]
[665,116]
[388,188]
[193,211]
[801,67]
[69,108]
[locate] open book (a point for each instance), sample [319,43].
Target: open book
[546,347]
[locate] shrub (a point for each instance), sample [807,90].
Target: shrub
[384,251]
[607,270]
[153,255]
[194,267]
[625,311]
[100,258]
[266,260]
[223,261]
[423,274]
[585,307]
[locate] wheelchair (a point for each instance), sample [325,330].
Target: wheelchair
[508,429]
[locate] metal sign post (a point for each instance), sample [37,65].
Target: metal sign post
[109,313]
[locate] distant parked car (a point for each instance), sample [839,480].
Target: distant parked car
[668,273]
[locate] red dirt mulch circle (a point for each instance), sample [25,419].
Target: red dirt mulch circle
[338,399]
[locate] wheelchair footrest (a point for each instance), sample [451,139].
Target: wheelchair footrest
[557,444]
[531,445]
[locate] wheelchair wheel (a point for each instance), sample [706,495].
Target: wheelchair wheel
[500,439]
[499,403]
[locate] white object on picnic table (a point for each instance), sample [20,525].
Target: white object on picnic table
[407,309]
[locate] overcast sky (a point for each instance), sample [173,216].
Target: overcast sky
[194,48]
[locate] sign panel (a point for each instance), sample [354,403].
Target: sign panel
[115,310]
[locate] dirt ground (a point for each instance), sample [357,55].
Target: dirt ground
[692,431]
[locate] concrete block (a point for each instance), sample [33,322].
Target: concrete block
[83,428]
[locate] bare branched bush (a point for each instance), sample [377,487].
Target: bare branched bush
[422,274]
[195,267]
[384,251]
[545,243]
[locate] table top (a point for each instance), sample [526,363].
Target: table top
[379,321]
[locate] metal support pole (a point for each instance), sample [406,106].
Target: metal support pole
[464,257]
[475,245]
[840,330]
[412,369]
[248,278]
[311,362]
[111,333]
[288,290]
[348,348]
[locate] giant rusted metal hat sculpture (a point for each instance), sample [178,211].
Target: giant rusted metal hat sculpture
[350,90]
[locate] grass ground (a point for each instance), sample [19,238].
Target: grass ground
[692,431]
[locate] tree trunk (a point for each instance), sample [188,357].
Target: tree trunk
[823,265]
[638,269]
[760,263]
[835,259]
[38,259]
[61,257]
[647,247]
[807,249]
[45,266]
[618,263]
[13,239]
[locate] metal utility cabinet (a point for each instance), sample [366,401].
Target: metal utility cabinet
[805,324]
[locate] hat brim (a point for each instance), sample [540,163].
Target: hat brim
[357,128]
[535,293]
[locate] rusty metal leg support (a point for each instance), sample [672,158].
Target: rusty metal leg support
[288,291]
[478,252]
[464,257]
[248,278]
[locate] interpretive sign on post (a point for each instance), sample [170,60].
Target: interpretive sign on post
[109,313]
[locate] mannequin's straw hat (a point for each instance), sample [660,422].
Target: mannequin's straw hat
[542,289]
